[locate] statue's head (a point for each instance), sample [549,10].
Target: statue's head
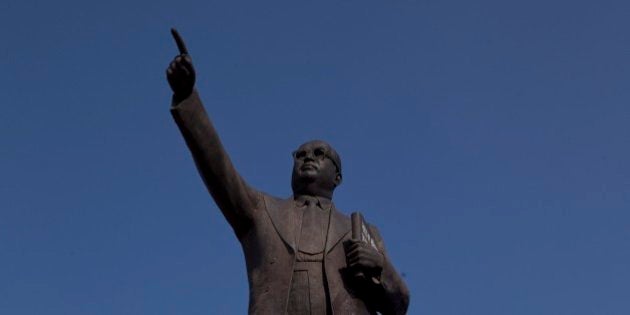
[316,169]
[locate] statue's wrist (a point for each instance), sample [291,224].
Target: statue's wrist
[179,97]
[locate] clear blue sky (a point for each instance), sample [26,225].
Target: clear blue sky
[488,140]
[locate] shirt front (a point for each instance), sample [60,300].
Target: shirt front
[315,217]
[308,291]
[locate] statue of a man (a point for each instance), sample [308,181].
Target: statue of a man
[300,256]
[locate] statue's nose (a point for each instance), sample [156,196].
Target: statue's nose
[308,156]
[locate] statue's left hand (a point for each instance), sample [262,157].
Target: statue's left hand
[363,258]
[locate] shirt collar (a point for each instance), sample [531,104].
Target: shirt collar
[322,202]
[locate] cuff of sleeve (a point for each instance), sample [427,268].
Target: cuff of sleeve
[177,102]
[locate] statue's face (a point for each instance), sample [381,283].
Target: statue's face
[313,164]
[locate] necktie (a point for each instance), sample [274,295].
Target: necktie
[314,221]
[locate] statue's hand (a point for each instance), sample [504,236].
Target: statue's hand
[364,260]
[181,73]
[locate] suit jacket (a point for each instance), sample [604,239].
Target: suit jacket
[267,228]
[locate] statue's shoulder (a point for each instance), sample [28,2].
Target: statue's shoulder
[339,213]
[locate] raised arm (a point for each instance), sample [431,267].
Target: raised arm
[234,197]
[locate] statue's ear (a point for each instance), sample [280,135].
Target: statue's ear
[338,179]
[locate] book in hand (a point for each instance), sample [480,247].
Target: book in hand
[360,231]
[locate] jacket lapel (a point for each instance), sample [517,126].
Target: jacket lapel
[285,219]
[338,226]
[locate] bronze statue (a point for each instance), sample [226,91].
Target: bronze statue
[300,256]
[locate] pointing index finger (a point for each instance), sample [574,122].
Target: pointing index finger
[179,41]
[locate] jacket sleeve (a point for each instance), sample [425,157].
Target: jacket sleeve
[231,193]
[391,292]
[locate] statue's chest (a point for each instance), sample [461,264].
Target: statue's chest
[313,230]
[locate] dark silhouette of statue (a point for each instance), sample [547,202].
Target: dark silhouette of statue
[300,256]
